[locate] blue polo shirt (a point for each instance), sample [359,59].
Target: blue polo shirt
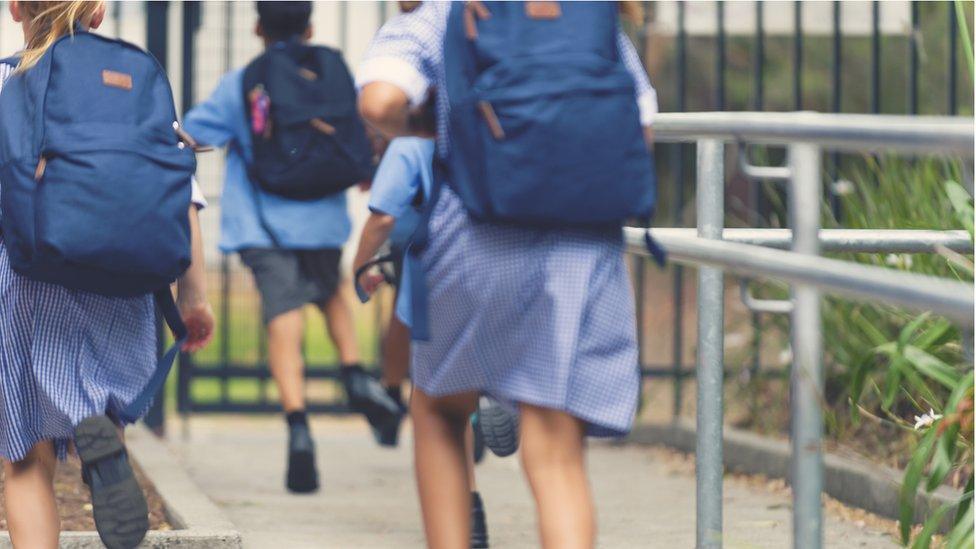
[404,176]
[405,173]
[302,225]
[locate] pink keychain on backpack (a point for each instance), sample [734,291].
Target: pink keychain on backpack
[260,112]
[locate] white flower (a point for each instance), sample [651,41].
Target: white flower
[926,420]
[843,187]
[899,260]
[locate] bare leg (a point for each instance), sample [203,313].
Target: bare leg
[469,450]
[441,464]
[396,353]
[338,318]
[285,333]
[553,460]
[32,511]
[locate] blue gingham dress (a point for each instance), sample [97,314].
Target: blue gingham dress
[544,317]
[65,355]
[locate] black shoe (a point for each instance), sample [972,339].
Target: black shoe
[479,526]
[368,397]
[302,478]
[479,438]
[388,432]
[118,504]
[499,426]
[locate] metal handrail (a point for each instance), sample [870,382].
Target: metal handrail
[843,278]
[806,135]
[852,132]
[888,241]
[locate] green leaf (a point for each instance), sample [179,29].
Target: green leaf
[961,535]
[924,538]
[961,203]
[932,367]
[909,486]
[966,502]
[942,460]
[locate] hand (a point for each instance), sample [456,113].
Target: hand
[199,320]
[370,281]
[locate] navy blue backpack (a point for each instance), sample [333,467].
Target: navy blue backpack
[544,123]
[95,182]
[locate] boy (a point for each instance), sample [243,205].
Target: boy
[292,246]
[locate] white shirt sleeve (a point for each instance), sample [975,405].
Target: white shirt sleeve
[646,94]
[196,196]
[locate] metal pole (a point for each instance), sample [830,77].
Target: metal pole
[677,206]
[807,372]
[797,56]
[711,312]
[156,43]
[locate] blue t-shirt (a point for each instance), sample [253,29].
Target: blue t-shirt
[406,170]
[404,174]
[302,225]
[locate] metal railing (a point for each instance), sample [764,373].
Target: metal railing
[716,250]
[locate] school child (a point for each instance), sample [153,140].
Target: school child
[402,179]
[522,302]
[78,341]
[294,144]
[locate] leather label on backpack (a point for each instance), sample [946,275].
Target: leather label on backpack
[117,79]
[543,10]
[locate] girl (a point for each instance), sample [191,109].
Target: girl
[67,358]
[568,359]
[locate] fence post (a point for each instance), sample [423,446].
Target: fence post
[805,195]
[711,314]
[156,42]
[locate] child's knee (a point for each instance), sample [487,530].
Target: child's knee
[41,456]
[453,409]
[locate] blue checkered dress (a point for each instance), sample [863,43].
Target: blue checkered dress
[544,317]
[65,355]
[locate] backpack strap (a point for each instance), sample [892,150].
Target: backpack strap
[657,252]
[420,318]
[171,314]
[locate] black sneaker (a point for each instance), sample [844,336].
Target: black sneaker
[302,478]
[479,525]
[368,397]
[118,504]
[499,426]
[387,433]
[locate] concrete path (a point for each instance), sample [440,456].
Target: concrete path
[645,496]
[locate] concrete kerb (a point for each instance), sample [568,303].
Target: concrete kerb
[197,522]
[869,486]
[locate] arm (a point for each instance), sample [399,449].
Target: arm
[375,232]
[192,292]
[211,122]
[396,74]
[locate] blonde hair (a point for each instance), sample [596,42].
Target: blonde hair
[632,11]
[49,21]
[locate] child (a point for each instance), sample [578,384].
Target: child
[68,358]
[292,246]
[540,317]
[402,179]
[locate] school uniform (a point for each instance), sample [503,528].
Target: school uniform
[402,180]
[66,355]
[298,262]
[536,316]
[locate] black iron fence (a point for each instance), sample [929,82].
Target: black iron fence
[865,57]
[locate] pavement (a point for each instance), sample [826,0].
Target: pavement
[645,496]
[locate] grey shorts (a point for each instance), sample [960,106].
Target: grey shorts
[288,279]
